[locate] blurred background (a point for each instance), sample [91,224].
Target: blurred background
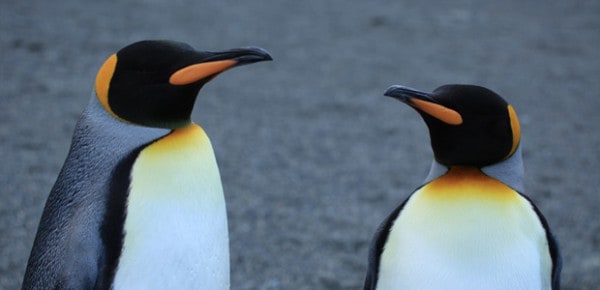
[312,156]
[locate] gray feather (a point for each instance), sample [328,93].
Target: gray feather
[68,252]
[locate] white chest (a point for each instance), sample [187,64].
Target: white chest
[176,224]
[467,241]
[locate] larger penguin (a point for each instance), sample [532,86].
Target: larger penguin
[468,226]
[138,203]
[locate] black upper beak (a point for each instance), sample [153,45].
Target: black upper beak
[245,55]
[404,94]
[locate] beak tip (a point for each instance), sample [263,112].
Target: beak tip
[255,54]
[397,92]
[404,93]
[389,92]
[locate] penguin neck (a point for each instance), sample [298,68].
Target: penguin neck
[107,133]
[509,171]
[96,112]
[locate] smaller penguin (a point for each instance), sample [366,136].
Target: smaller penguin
[469,226]
[139,203]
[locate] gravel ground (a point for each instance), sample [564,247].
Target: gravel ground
[312,156]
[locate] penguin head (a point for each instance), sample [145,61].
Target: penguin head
[155,83]
[468,125]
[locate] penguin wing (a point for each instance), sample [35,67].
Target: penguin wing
[377,247]
[66,248]
[79,240]
[552,246]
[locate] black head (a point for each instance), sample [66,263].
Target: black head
[469,125]
[155,83]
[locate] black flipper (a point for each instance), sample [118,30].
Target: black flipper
[377,247]
[552,246]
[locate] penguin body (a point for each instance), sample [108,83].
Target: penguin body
[139,202]
[468,226]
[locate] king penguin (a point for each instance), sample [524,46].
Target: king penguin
[469,226]
[139,203]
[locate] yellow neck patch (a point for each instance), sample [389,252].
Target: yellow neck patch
[179,161]
[469,183]
[191,135]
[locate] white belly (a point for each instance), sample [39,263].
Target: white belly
[176,226]
[467,241]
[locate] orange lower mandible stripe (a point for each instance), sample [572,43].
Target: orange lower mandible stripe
[438,111]
[196,72]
